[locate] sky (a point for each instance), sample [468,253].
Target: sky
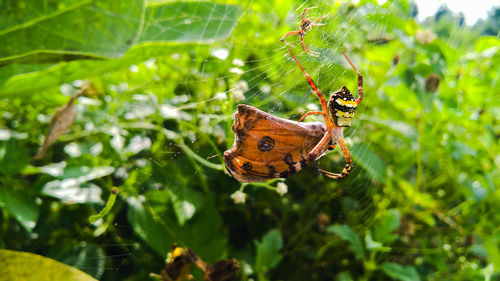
[473,10]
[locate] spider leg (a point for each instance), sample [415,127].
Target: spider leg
[330,175]
[305,10]
[304,47]
[347,167]
[360,80]
[311,113]
[289,34]
[315,23]
[313,86]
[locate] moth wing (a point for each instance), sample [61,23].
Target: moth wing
[267,146]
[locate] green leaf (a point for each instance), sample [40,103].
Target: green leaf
[344,276]
[203,233]
[185,203]
[150,228]
[187,21]
[383,232]
[26,266]
[20,205]
[73,185]
[485,42]
[35,32]
[268,252]
[491,244]
[346,233]
[414,196]
[102,29]
[162,32]
[400,272]
[370,161]
[372,245]
[13,157]
[73,194]
[85,256]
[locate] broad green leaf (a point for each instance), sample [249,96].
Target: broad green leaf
[20,205]
[27,266]
[383,232]
[268,251]
[400,272]
[53,75]
[370,161]
[346,233]
[37,32]
[188,21]
[102,29]
[164,27]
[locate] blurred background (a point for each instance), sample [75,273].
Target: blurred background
[160,82]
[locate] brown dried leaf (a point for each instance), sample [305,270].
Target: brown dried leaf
[180,260]
[223,270]
[62,119]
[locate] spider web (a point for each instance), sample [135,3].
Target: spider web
[270,80]
[221,75]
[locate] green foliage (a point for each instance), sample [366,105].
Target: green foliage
[22,206]
[268,253]
[27,266]
[421,202]
[398,272]
[104,30]
[348,234]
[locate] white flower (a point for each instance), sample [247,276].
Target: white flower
[425,36]
[238,62]
[241,85]
[239,197]
[220,53]
[266,89]
[220,96]
[236,70]
[133,68]
[66,89]
[73,150]
[150,63]
[237,95]
[281,188]
[312,107]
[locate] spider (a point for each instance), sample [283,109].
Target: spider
[267,147]
[305,25]
[338,113]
